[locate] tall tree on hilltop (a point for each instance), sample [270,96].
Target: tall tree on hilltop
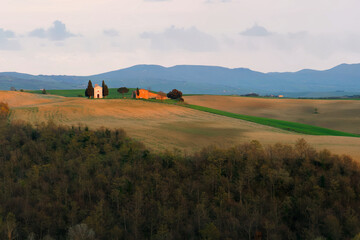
[89,92]
[105,89]
[123,90]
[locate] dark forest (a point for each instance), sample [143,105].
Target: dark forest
[58,182]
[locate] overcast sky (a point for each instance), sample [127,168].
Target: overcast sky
[84,37]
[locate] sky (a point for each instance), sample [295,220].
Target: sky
[84,37]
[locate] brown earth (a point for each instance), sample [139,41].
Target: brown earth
[342,115]
[161,126]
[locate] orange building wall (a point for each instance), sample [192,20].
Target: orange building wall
[146,94]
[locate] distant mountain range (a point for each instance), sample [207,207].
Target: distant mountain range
[340,80]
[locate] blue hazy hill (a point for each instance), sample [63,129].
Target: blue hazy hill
[194,79]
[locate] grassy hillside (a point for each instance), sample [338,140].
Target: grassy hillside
[160,126]
[340,115]
[113,94]
[285,125]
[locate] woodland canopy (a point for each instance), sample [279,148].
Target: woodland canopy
[57,179]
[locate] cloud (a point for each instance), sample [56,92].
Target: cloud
[303,43]
[111,32]
[8,41]
[218,1]
[6,33]
[256,31]
[190,39]
[57,32]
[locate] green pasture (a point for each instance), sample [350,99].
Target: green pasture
[285,125]
[113,94]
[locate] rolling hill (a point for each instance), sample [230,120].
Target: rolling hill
[341,115]
[338,81]
[156,124]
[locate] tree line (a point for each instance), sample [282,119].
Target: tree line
[89,92]
[62,182]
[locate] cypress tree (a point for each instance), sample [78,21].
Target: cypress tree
[105,89]
[89,92]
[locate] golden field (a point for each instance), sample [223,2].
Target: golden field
[162,126]
[342,115]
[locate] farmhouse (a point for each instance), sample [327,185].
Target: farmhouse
[98,91]
[146,94]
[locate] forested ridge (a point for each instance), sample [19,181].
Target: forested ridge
[54,178]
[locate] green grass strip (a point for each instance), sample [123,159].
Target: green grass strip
[285,125]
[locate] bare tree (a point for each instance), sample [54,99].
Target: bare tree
[48,237]
[162,95]
[81,232]
[10,225]
[31,236]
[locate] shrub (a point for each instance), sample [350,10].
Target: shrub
[174,94]
[4,110]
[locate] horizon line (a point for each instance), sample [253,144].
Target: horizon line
[194,65]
